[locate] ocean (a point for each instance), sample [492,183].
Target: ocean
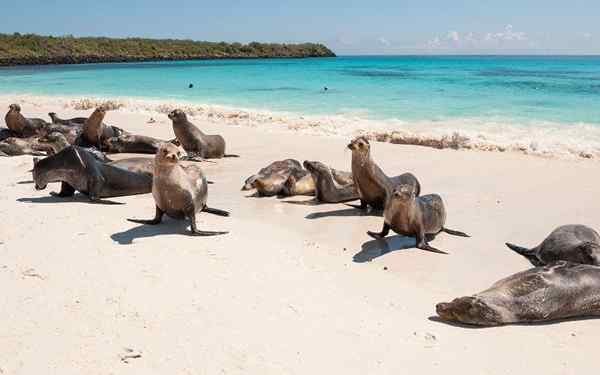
[535,104]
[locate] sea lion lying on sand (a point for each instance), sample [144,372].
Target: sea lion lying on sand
[556,291]
[331,186]
[194,141]
[274,178]
[58,142]
[573,243]
[133,144]
[275,167]
[24,146]
[21,126]
[303,186]
[179,191]
[77,169]
[76,121]
[421,217]
[372,183]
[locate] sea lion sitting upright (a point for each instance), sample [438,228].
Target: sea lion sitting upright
[573,243]
[179,191]
[94,131]
[556,291]
[77,169]
[194,141]
[328,188]
[372,183]
[21,126]
[421,217]
[76,121]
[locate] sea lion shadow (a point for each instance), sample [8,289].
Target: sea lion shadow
[437,319]
[168,226]
[375,248]
[77,198]
[342,213]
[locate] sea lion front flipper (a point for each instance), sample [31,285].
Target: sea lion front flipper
[157,218]
[66,190]
[195,232]
[215,211]
[384,232]
[455,232]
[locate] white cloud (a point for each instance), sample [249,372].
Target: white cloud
[384,41]
[508,34]
[586,36]
[453,36]
[507,38]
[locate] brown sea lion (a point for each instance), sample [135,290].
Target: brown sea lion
[134,144]
[179,192]
[302,186]
[372,183]
[194,141]
[274,183]
[275,167]
[94,132]
[573,243]
[556,291]
[421,217]
[328,188]
[76,121]
[21,126]
[24,146]
[77,169]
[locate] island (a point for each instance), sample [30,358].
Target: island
[32,49]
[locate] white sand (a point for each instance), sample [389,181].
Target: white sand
[282,294]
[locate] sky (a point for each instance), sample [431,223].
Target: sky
[348,27]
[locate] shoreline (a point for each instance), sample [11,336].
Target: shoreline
[546,139]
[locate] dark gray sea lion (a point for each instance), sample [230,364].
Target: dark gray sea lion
[79,170]
[76,121]
[24,146]
[372,184]
[7,133]
[421,217]
[328,188]
[94,132]
[21,126]
[134,144]
[194,141]
[275,167]
[556,291]
[573,243]
[302,186]
[179,191]
[144,165]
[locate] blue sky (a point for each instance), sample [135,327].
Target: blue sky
[347,26]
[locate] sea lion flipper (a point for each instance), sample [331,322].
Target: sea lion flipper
[215,211]
[428,247]
[384,232]
[231,156]
[195,232]
[66,190]
[455,232]
[157,218]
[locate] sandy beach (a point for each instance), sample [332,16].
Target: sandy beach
[293,288]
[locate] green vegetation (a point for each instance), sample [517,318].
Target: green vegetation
[30,49]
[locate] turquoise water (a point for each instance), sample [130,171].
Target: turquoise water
[520,89]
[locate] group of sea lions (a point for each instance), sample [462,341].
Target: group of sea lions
[564,283]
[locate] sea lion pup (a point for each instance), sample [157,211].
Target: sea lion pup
[21,126]
[421,217]
[274,167]
[194,141]
[133,144]
[302,186]
[94,131]
[372,184]
[24,146]
[328,188]
[77,169]
[573,243]
[556,291]
[76,121]
[179,191]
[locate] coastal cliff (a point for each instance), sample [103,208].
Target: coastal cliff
[31,49]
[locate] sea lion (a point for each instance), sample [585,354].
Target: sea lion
[372,183]
[328,188]
[194,141]
[76,121]
[556,291]
[59,142]
[94,131]
[574,243]
[274,184]
[421,217]
[275,167]
[133,144]
[7,133]
[179,191]
[77,169]
[24,146]
[144,165]
[302,186]
[21,126]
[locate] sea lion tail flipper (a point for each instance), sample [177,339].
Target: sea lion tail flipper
[216,211]
[520,250]
[455,232]
[231,156]
[428,247]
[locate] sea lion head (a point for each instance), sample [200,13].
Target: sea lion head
[314,166]
[177,115]
[15,108]
[360,144]
[468,310]
[38,178]
[404,192]
[168,153]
